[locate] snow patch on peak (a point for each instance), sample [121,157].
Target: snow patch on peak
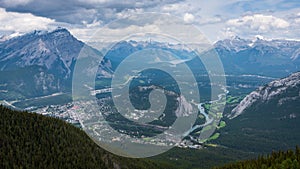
[11,36]
[259,37]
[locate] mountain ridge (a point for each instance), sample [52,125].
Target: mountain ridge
[47,59]
[265,93]
[42,63]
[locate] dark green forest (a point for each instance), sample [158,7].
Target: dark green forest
[29,140]
[276,160]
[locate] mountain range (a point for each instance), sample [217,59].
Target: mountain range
[41,63]
[275,58]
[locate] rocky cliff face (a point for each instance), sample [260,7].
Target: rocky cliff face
[276,93]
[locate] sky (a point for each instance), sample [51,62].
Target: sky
[216,19]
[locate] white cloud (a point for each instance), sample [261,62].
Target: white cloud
[163,28]
[188,18]
[259,22]
[22,22]
[236,17]
[95,23]
[276,26]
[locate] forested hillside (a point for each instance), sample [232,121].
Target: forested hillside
[288,159]
[29,140]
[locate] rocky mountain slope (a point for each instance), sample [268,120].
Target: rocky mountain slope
[279,92]
[56,51]
[38,63]
[267,119]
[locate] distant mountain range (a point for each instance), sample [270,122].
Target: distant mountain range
[41,63]
[275,58]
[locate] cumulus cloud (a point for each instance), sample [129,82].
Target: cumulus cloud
[259,22]
[22,22]
[272,17]
[188,18]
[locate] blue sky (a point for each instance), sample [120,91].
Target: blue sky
[217,19]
